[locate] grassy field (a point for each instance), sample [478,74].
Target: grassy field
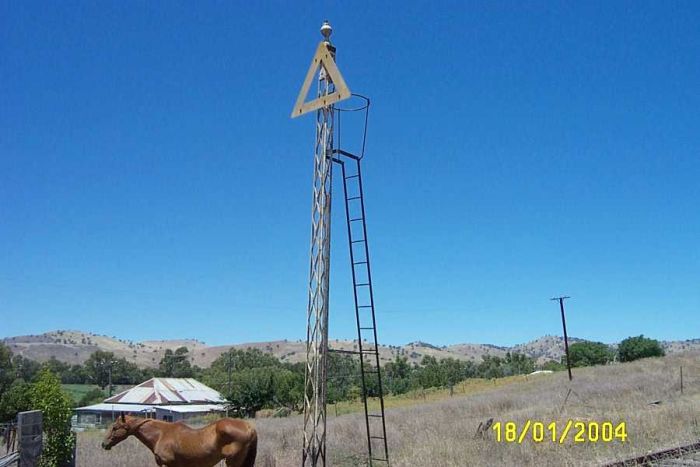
[77,391]
[438,430]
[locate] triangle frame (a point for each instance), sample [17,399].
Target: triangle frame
[322,58]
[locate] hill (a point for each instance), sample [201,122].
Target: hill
[76,346]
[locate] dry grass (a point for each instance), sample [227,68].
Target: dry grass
[440,430]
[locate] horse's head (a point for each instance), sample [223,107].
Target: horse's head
[117,433]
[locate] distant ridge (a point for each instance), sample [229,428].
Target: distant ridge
[76,346]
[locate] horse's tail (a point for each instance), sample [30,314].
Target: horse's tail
[252,453]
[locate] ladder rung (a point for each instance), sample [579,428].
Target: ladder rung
[367,329]
[352,176]
[375,415]
[357,219]
[380,460]
[354,197]
[359,262]
[364,284]
[357,241]
[376,437]
[365,306]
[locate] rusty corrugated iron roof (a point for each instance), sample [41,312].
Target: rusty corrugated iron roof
[168,391]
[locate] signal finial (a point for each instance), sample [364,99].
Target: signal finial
[326,31]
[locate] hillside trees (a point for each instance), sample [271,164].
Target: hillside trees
[490,367]
[634,348]
[97,371]
[517,364]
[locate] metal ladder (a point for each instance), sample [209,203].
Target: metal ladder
[368,350]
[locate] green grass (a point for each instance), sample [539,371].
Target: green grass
[78,391]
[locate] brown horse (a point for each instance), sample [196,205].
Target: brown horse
[177,445]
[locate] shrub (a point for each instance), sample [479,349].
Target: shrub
[634,348]
[55,405]
[93,396]
[589,353]
[16,399]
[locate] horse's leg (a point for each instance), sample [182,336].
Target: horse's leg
[234,461]
[243,456]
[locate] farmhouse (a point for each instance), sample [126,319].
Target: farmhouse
[169,399]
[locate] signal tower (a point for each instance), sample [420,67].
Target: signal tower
[331,88]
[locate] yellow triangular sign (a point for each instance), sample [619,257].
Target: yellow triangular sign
[322,58]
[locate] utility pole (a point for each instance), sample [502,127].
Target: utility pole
[111,362]
[566,338]
[229,367]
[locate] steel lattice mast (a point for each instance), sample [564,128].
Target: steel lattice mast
[317,315]
[331,88]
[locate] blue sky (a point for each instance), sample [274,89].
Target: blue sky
[152,184]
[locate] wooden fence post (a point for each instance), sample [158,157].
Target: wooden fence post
[29,434]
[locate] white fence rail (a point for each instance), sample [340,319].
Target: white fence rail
[9,459]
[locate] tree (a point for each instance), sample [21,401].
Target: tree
[343,377]
[589,353]
[490,367]
[243,359]
[97,371]
[398,375]
[176,364]
[430,374]
[57,367]
[97,367]
[55,405]
[17,398]
[288,389]
[634,348]
[257,380]
[236,360]
[76,374]
[517,364]
[25,369]
[7,370]
[251,390]
[452,371]
[126,372]
[93,396]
